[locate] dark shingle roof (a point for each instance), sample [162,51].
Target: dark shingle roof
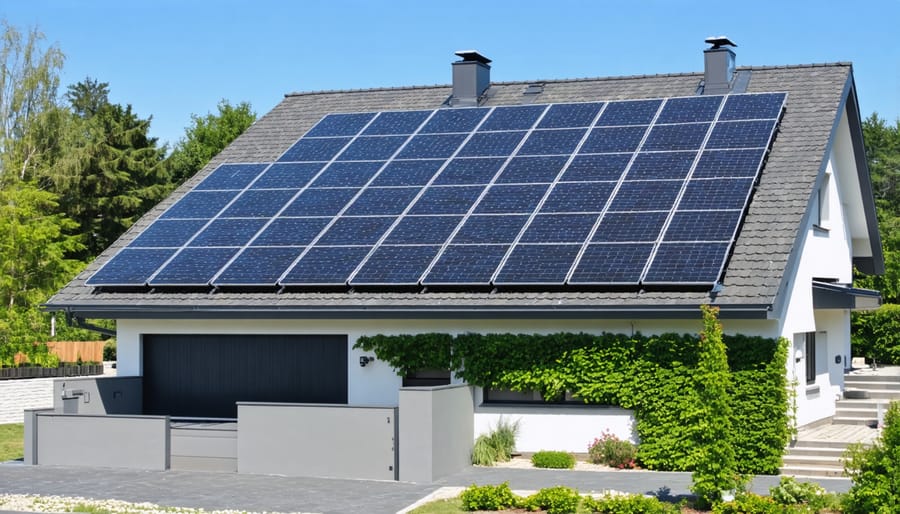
[752,279]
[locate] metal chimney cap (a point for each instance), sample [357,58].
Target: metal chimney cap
[472,55]
[719,42]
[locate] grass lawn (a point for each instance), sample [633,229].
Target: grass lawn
[11,441]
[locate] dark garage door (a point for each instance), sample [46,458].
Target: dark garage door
[202,375]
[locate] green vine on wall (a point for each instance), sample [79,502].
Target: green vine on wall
[653,375]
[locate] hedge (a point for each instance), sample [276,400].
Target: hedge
[650,374]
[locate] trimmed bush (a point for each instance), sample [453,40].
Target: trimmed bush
[488,497]
[791,492]
[553,460]
[629,504]
[554,500]
[612,451]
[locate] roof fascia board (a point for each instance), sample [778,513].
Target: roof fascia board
[748,311]
[873,265]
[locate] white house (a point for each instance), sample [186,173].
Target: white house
[193,308]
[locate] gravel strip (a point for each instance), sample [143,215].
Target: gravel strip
[35,503]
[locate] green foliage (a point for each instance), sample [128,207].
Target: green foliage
[12,441]
[791,492]
[650,374]
[749,503]
[553,460]
[488,497]
[407,353]
[483,452]
[875,471]
[109,173]
[629,504]
[29,79]
[612,451]
[882,142]
[207,136]
[35,244]
[498,445]
[715,468]
[554,500]
[876,334]
[109,350]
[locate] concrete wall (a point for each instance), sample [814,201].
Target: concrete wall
[28,393]
[568,428]
[436,431]
[98,395]
[136,442]
[317,440]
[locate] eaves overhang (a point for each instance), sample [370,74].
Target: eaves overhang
[827,295]
[683,311]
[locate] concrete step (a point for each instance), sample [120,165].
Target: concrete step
[819,444]
[812,471]
[870,385]
[875,394]
[807,461]
[871,378]
[859,404]
[853,420]
[832,453]
[853,412]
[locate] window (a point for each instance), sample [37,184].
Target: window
[821,208]
[534,397]
[810,357]
[427,377]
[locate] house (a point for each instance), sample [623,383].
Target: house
[334,217]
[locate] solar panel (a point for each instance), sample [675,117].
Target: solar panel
[401,265]
[466,264]
[618,194]
[258,266]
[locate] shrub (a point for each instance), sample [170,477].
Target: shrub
[629,504]
[488,497]
[109,350]
[875,334]
[552,459]
[612,451]
[483,453]
[554,500]
[748,503]
[503,438]
[715,466]
[791,492]
[875,471]
[498,445]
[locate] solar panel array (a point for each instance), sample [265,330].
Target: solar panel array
[605,194]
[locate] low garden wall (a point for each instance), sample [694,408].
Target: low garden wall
[18,395]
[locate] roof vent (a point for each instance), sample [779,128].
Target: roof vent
[471,78]
[718,69]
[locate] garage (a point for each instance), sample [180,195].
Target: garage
[203,375]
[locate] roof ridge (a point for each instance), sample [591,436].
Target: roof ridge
[565,80]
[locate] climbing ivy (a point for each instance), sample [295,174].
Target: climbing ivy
[653,375]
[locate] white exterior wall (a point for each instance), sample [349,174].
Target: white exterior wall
[557,427]
[827,253]
[21,394]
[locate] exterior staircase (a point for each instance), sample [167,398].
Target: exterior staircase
[818,451]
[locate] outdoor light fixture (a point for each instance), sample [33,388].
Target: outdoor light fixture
[365,359]
[798,355]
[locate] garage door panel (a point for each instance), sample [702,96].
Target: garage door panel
[203,375]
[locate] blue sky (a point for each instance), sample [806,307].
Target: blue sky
[174,58]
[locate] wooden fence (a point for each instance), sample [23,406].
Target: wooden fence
[71,351]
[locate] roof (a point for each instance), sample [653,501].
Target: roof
[816,96]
